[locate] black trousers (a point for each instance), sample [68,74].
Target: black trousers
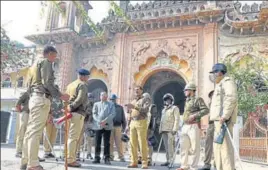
[106,138]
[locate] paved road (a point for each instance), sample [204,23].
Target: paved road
[9,162]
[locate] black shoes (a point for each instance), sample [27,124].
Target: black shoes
[165,164]
[96,161]
[49,155]
[41,159]
[107,162]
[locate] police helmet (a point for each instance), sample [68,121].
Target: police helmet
[124,137]
[168,96]
[219,67]
[90,96]
[190,86]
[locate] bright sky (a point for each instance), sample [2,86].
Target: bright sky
[21,18]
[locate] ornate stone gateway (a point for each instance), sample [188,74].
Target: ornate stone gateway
[95,87]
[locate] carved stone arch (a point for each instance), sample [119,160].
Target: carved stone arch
[172,63]
[96,73]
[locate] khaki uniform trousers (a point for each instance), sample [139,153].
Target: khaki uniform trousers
[168,140]
[24,117]
[51,132]
[138,138]
[224,153]
[76,126]
[80,140]
[39,108]
[116,134]
[209,145]
[190,145]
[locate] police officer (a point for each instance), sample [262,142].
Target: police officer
[138,128]
[23,108]
[209,140]
[42,88]
[150,134]
[77,107]
[195,108]
[119,127]
[50,129]
[86,128]
[169,125]
[223,110]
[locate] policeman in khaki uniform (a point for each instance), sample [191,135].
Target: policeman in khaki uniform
[87,126]
[138,128]
[169,125]
[23,108]
[42,88]
[195,108]
[209,140]
[223,110]
[77,107]
[50,129]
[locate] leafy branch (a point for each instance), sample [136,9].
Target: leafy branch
[119,12]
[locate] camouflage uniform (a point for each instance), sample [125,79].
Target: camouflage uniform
[190,135]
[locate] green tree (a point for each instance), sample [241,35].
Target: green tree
[14,55]
[252,82]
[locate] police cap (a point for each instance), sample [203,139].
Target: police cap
[219,67]
[113,97]
[83,72]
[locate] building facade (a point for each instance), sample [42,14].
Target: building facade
[167,45]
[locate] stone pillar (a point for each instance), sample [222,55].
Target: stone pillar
[210,53]
[66,65]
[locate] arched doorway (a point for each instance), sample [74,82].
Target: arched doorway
[162,82]
[96,86]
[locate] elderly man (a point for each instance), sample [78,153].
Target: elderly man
[119,127]
[103,115]
[42,88]
[138,128]
[223,112]
[77,107]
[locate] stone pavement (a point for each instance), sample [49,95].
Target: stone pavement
[9,162]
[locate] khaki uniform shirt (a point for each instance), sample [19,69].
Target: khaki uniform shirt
[24,102]
[42,78]
[195,106]
[78,96]
[170,119]
[224,100]
[141,107]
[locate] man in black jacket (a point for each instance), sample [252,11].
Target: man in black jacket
[119,127]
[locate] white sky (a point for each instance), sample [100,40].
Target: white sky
[23,17]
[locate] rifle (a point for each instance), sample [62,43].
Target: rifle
[220,137]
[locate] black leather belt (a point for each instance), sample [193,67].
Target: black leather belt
[138,118]
[41,94]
